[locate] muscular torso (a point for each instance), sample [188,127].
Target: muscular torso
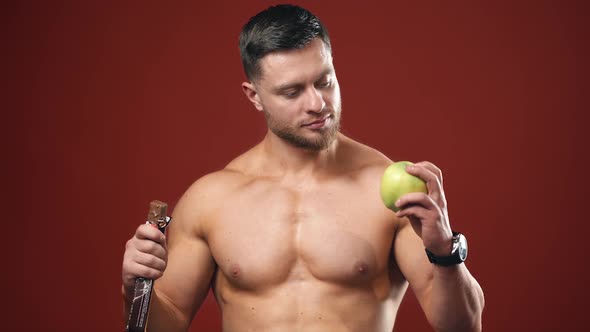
[311,255]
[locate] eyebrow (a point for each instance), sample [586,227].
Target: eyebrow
[287,86]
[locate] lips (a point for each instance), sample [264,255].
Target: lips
[317,122]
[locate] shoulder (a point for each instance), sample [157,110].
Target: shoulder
[197,206]
[365,161]
[372,164]
[215,185]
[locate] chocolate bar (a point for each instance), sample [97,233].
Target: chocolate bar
[142,293]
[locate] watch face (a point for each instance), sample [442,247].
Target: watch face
[462,247]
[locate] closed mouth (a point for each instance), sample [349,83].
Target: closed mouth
[318,121]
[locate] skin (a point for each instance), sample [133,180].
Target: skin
[297,239]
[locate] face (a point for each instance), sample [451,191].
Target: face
[299,95]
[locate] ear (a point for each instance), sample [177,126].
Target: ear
[250,91]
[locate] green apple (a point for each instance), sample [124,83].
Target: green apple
[396,182]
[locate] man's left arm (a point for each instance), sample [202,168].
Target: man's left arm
[449,295]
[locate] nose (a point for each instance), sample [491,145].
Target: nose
[314,101]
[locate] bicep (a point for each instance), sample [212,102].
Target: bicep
[190,266]
[412,261]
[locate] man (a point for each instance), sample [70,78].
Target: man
[292,235]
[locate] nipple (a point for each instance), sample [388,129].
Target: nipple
[361,268]
[235,271]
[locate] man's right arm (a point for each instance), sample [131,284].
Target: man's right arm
[189,265]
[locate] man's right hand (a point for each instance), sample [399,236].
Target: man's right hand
[146,255]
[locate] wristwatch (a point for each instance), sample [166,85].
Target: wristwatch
[458,253]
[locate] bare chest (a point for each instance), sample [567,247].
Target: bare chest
[266,235]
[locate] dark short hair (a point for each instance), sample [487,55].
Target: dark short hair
[281,27]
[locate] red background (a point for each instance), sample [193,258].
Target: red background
[112,104]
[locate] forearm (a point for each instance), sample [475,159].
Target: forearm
[162,315]
[456,300]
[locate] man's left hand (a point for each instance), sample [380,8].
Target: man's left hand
[428,212]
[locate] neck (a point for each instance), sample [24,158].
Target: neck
[295,160]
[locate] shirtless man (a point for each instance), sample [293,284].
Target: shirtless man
[292,235]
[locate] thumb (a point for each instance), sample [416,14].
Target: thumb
[416,224]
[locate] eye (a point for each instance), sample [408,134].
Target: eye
[324,84]
[290,93]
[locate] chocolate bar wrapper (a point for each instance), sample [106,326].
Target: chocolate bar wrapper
[140,305]
[142,293]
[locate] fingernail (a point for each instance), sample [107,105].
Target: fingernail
[397,203]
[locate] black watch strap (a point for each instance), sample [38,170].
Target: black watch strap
[457,255]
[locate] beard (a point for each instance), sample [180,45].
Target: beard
[290,135]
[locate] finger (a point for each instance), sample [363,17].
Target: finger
[150,232]
[137,270]
[425,174]
[416,224]
[432,182]
[412,199]
[150,247]
[441,200]
[413,212]
[150,261]
[433,168]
